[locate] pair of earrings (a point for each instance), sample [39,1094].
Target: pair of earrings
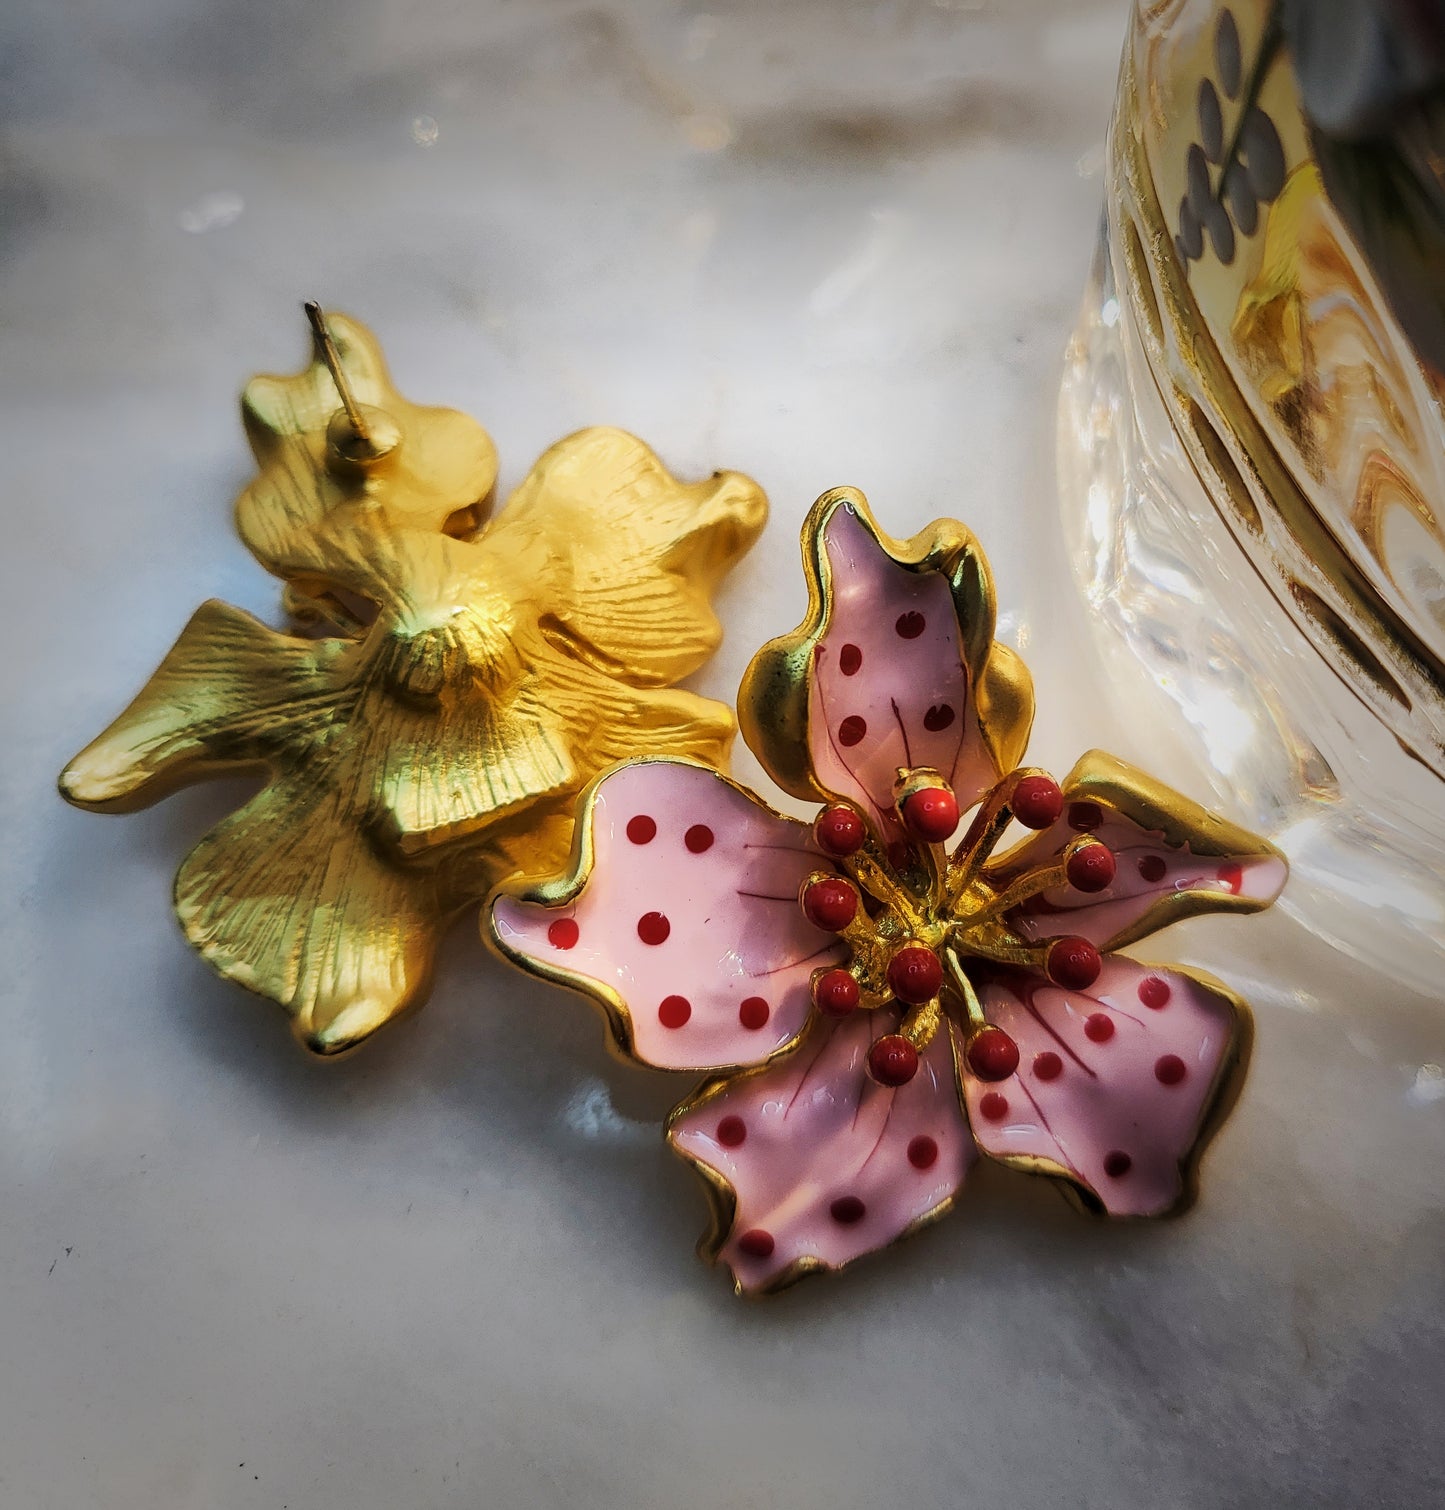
[480,709]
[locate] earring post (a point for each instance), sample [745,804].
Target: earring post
[332,358]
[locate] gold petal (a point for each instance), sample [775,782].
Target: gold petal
[632,554]
[287,898]
[229,695]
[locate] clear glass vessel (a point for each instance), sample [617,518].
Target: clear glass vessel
[1252,465]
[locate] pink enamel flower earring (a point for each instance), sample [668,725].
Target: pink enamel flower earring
[877,1003]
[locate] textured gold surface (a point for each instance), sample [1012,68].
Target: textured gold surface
[462,680]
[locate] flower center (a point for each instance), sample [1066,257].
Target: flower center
[926,927]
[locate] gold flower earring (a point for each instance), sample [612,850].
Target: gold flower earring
[452,680]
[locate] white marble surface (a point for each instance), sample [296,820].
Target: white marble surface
[820,242]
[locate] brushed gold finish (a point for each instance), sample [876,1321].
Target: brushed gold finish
[461,680]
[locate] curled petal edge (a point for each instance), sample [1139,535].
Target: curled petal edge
[559,891]
[1185,824]
[1223,1094]
[722,1201]
[774,697]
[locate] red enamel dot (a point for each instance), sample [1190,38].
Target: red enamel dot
[1084,817]
[938,718]
[931,814]
[993,1107]
[1048,1066]
[850,658]
[910,625]
[993,1055]
[852,730]
[674,1011]
[698,838]
[893,1060]
[830,904]
[756,1243]
[1098,1027]
[1091,868]
[753,1013]
[732,1131]
[1117,1164]
[840,831]
[847,1209]
[1073,963]
[1154,992]
[1152,868]
[915,974]
[1233,877]
[1169,1069]
[1037,802]
[563,934]
[653,928]
[641,829]
[922,1152]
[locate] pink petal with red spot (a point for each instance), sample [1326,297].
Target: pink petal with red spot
[1148,869]
[704,942]
[825,1163]
[889,687]
[1113,1090]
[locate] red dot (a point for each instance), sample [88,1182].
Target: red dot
[840,831]
[847,1209]
[993,1055]
[900,854]
[1098,1027]
[938,718]
[1091,868]
[910,625]
[850,658]
[674,1011]
[653,928]
[1117,1164]
[1048,1066]
[922,1152]
[993,1107]
[830,904]
[836,993]
[1084,817]
[915,974]
[563,934]
[698,838]
[1169,1069]
[1037,801]
[732,1131]
[851,731]
[1152,868]
[893,1060]
[931,814]
[1073,963]
[756,1243]
[753,1013]
[1233,877]
[1154,992]
[641,829]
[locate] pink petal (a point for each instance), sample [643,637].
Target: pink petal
[1114,1086]
[822,1160]
[1150,871]
[889,685]
[688,924]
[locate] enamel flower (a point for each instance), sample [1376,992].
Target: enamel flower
[878,1002]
